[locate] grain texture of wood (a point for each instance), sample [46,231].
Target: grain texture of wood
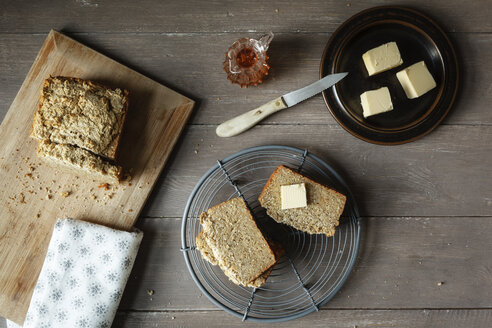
[445,318]
[325,318]
[33,194]
[294,57]
[401,262]
[222,16]
[444,174]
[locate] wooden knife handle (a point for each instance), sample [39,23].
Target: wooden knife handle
[249,119]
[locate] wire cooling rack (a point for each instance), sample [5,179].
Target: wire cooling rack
[313,268]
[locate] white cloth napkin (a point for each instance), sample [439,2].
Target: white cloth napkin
[83,276]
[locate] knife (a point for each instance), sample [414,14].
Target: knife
[249,119]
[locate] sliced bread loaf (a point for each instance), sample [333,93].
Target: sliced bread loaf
[324,205]
[75,159]
[237,244]
[81,113]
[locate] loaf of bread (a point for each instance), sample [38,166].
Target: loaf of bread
[207,254]
[79,161]
[235,241]
[81,113]
[324,205]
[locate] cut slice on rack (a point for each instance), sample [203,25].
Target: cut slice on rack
[236,242]
[324,205]
[207,254]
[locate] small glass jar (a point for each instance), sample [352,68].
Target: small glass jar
[246,60]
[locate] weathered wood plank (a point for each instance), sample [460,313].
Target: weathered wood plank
[220,16]
[324,318]
[400,264]
[445,173]
[172,60]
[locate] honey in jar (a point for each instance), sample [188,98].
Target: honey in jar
[246,60]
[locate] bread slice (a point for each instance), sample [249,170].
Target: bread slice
[204,248]
[81,113]
[79,160]
[207,254]
[236,242]
[324,205]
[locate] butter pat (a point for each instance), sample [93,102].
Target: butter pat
[293,196]
[382,58]
[376,101]
[416,80]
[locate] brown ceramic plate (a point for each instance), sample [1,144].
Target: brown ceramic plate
[418,38]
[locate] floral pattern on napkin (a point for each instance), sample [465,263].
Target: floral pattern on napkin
[83,276]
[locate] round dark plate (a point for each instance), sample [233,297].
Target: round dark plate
[418,38]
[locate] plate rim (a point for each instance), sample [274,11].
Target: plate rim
[454,63]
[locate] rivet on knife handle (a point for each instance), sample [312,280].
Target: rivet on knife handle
[249,119]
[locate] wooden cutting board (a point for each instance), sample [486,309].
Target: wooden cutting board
[33,195]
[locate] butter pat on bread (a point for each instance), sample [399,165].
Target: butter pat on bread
[293,196]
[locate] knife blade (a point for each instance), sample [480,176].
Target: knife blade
[249,119]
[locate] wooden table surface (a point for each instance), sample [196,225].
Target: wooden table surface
[426,205]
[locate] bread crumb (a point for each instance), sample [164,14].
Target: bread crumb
[440,283]
[48,196]
[93,196]
[65,193]
[104,185]
[150,292]
[38,215]
[196,151]
[172,318]
[127,176]
[22,198]
[130,210]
